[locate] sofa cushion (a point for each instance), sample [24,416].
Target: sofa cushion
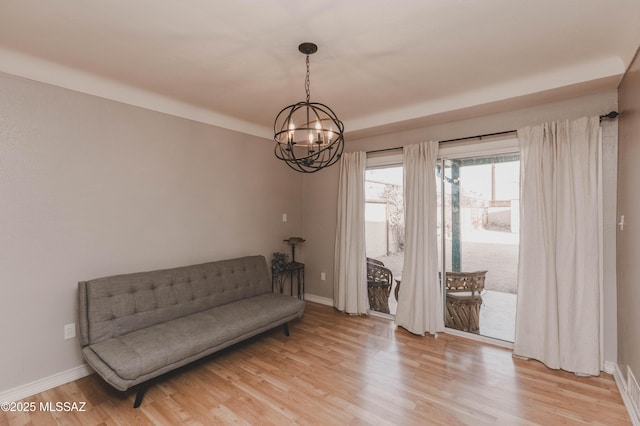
[144,351]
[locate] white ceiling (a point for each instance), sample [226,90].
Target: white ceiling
[380,65]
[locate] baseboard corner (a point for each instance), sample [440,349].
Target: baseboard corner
[318,299]
[610,367]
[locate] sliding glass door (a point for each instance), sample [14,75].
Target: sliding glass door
[480,213]
[478,230]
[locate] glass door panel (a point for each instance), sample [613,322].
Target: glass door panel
[384,228]
[480,212]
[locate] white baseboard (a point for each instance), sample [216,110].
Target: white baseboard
[46,383]
[318,299]
[622,388]
[610,367]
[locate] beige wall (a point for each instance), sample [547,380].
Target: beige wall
[629,206]
[320,198]
[90,187]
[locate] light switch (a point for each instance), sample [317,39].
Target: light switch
[284,217]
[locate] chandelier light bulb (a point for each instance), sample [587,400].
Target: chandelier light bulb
[292,129]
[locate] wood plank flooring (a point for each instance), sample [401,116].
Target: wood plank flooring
[337,369]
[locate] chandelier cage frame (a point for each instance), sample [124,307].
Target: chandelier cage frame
[308,135]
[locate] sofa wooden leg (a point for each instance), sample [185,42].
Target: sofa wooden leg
[142,388]
[286,329]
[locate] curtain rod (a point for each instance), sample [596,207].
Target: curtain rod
[611,115]
[486,135]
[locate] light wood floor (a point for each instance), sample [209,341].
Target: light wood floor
[337,369]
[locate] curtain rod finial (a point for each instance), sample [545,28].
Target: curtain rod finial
[611,115]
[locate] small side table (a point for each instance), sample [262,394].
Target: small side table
[293,271]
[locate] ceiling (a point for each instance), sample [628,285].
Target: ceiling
[380,64]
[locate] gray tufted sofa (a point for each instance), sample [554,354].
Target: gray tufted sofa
[135,327]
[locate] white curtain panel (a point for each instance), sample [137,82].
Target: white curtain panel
[350,270]
[558,312]
[420,300]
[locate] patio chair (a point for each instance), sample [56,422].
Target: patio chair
[379,281]
[464,299]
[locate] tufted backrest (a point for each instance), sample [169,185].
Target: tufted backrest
[113,306]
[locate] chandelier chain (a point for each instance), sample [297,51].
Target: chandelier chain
[307,83]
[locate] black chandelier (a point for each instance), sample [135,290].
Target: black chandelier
[309,136]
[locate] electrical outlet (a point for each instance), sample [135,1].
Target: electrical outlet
[70,331]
